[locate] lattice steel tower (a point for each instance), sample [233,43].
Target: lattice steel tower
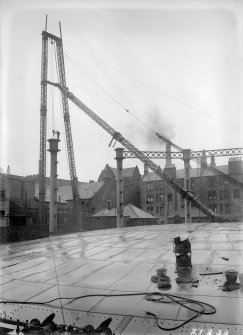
[43,125]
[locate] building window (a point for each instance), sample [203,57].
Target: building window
[212,195]
[169,197]
[236,194]
[157,210]
[211,181]
[162,197]
[161,211]
[150,186]
[150,199]
[2,194]
[227,208]
[223,181]
[2,214]
[213,207]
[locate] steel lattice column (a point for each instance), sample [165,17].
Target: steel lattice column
[43,122]
[68,131]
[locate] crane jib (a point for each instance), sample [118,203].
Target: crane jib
[118,137]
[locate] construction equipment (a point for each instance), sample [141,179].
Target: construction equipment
[194,154]
[43,121]
[182,250]
[195,157]
[118,137]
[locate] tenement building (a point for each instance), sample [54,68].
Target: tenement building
[214,191]
[131,183]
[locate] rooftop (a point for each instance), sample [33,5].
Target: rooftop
[194,172]
[130,211]
[64,192]
[122,261]
[126,172]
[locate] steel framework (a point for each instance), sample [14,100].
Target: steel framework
[194,154]
[186,194]
[224,152]
[43,122]
[68,132]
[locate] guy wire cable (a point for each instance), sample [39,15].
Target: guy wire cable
[58,287]
[156,90]
[109,95]
[148,296]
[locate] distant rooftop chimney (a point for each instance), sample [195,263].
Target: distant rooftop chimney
[108,204]
[204,157]
[168,161]
[235,165]
[168,155]
[145,169]
[212,163]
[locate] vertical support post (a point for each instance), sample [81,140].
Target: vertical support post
[187,182]
[53,183]
[119,159]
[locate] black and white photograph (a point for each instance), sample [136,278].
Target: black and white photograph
[121,169]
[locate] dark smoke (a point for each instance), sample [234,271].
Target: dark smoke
[157,121]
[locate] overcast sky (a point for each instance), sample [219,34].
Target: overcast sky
[175,65]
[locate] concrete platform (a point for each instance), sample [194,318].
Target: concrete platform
[119,261]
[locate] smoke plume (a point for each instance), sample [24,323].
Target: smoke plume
[157,121]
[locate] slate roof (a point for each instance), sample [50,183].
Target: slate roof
[86,191]
[12,176]
[127,172]
[130,211]
[194,172]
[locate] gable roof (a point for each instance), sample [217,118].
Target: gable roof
[194,172]
[64,193]
[127,172]
[12,176]
[130,211]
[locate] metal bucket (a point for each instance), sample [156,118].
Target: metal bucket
[231,276]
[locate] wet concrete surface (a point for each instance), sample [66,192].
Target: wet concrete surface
[116,261]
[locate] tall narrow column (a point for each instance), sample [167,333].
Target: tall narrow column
[187,183]
[119,159]
[53,182]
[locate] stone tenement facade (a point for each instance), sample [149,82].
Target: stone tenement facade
[216,193]
[131,184]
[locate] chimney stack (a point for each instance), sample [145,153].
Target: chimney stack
[168,155]
[145,169]
[212,163]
